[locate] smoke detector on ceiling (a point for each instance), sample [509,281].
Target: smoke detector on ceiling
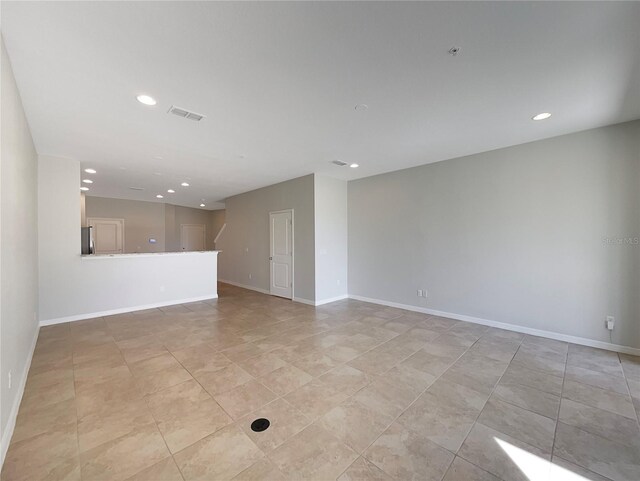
[184,113]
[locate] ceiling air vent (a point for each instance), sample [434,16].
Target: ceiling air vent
[136,188]
[339,162]
[180,112]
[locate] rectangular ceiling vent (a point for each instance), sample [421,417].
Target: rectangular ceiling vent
[180,112]
[136,188]
[339,162]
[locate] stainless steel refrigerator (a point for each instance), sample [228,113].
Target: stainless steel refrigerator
[87,240]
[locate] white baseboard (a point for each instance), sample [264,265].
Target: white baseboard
[302,300]
[332,299]
[509,327]
[124,310]
[244,286]
[265,291]
[13,415]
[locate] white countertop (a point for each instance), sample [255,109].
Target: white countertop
[144,254]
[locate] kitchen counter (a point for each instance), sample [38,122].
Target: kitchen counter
[144,254]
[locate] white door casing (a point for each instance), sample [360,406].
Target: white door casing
[281,253]
[192,237]
[108,235]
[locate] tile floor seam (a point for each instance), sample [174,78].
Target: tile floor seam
[555,431]
[595,435]
[361,454]
[163,440]
[276,447]
[476,420]
[626,381]
[150,412]
[355,314]
[75,404]
[559,396]
[203,388]
[510,403]
[416,399]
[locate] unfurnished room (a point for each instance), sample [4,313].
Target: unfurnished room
[320,241]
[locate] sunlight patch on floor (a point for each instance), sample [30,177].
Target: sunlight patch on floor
[536,468]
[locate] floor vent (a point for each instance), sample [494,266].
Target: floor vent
[260,425]
[180,112]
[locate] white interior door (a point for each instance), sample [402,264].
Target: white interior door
[108,235]
[192,237]
[281,253]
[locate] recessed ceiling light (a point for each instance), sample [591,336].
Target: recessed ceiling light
[201,205]
[87,181]
[146,99]
[354,166]
[185,184]
[159,196]
[542,116]
[84,189]
[171,191]
[90,171]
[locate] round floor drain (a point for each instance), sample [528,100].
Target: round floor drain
[260,425]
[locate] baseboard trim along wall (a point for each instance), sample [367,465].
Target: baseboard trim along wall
[124,310]
[502,325]
[332,299]
[301,300]
[13,415]
[244,286]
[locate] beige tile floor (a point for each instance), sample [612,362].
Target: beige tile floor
[354,391]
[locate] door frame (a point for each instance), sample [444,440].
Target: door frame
[293,251]
[89,221]
[204,234]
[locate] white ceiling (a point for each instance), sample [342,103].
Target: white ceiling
[279,83]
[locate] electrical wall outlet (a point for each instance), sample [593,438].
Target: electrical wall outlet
[9,380]
[424,293]
[250,276]
[610,322]
[419,293]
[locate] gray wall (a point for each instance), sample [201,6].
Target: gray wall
[217,221]
[331,237]
[187,215]
[142,221]
[19,247]
[245,241]
[513,235]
